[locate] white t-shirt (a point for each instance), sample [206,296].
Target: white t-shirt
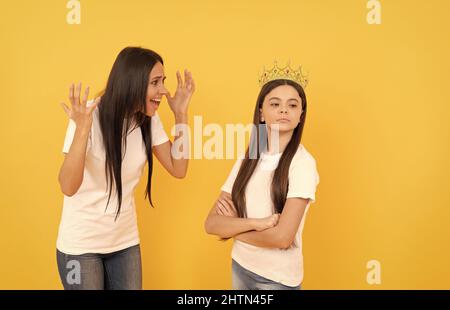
[284,266]
[86,227]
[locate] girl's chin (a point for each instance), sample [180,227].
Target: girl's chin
[281,127]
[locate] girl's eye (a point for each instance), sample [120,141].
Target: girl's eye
[155,83]
[293,105]
[274,104]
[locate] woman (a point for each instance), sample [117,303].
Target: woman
[106,149]
[265,199]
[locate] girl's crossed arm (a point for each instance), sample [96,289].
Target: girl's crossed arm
[223,221]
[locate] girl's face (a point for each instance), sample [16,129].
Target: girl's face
[282,108]
[156,88]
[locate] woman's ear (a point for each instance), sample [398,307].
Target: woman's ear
[261,117]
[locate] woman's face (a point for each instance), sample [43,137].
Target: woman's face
[282,108]
[156,88]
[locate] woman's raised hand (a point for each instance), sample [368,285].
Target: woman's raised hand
[79,112]
[180,101]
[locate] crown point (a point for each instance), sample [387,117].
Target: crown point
[287,73]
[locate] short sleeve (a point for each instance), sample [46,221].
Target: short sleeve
[159,135]
[228,186]
[303,178]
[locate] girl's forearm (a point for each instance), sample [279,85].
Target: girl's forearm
[228,226]
[269,238]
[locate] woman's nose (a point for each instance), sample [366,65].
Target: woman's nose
[163,90]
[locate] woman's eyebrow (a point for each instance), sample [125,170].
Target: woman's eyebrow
[294,99]
[158,77]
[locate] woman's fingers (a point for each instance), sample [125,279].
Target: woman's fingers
[180,81]
[186,78]
[191,83]
[168,96]
[94,104]
[66,109]
[71,94]
[85,96]
[77,94]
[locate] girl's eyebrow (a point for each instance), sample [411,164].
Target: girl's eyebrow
[290,99]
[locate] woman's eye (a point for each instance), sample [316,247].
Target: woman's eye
[293,105]
[274,104]
[155,83]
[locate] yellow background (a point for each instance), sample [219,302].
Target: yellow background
[377,124]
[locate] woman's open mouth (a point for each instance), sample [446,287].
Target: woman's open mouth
[156,102]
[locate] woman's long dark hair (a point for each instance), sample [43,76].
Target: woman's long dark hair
[124,96]
[280,181]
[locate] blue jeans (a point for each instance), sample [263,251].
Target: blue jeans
[119,270]
[243,279]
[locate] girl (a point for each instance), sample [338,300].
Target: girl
[106,148]
[265,199]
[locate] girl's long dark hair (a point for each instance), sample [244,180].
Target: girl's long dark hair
[121,105]
[280,181]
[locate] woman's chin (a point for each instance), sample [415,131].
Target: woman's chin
[151,109]
[150,112]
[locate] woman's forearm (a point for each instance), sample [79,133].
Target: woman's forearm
[180,163]
[71,172]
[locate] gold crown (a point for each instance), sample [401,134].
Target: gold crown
[287,73]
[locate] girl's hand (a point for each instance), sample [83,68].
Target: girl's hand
[80,113]
[266,222]
[179,102]
[225,206]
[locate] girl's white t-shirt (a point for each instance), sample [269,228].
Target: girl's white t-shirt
[87,226]
[284,266]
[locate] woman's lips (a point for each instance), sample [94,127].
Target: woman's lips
[155,102]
